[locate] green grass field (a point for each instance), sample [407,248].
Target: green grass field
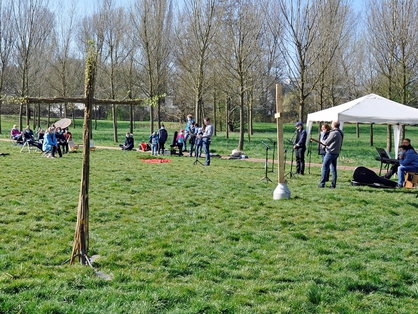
[181,238]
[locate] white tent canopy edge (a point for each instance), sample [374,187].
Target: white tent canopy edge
[371,108]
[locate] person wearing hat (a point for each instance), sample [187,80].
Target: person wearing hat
[300,147]
[180,142]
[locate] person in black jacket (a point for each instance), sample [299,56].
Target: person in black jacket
[129,142]
[162,138]
[300,147]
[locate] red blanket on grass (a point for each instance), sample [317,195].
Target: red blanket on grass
[156,160]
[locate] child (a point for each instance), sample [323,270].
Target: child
[180,141]
[198,141]
[153,139]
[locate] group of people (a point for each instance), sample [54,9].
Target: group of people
[329,147]
[53,140]
[197,137]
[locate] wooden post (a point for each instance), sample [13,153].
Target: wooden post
[81,236]
[281,190]
[280,142]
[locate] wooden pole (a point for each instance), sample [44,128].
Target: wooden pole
[81,236]
[280,142]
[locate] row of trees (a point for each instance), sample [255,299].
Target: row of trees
[217,58]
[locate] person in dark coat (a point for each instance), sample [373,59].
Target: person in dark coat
[129,142]
[300,147]
[162,138]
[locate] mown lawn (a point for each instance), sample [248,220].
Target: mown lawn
[182,238]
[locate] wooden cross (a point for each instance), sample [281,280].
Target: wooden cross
[279,122]
[81,236]
[281,191]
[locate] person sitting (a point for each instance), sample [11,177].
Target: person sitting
[41,134]
[408,160]
[50,142]
[27,134]
[394,168]
[129,142]
[15,134]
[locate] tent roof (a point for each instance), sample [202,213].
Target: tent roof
[371,108]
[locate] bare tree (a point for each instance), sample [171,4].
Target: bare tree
[393,37]
[115,50]
[33,25]
[239,48]
[65,77]
[336,28]
[152,25]
[194,35]
[6,45]
[312,36]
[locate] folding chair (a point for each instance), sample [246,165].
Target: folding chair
[72,147]
[46,153]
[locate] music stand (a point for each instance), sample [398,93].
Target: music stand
[197,161]
[274,150]
[310,155]
[290,173]
[266,178]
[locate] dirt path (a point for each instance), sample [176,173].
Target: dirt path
[247,159]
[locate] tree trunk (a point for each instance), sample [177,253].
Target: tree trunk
[115,123]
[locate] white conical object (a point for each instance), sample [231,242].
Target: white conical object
[281,192]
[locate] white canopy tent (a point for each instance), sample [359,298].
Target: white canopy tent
[371,108]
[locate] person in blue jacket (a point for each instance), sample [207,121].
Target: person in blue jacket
[50,142]
[408,160]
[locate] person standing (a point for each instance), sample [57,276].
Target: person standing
[188,131]
[192,137]
[180,142]
[153,139]
[162,138]
[408,161]
[206,138]
[322,137]
[198,140]
[300,148]
[332,146]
